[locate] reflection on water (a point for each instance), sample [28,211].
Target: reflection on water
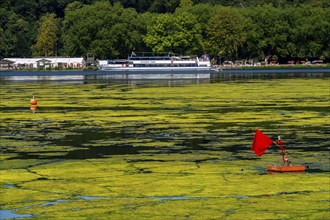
[89,77]
[9,214]
[44,78]
[100,79]
[265,75]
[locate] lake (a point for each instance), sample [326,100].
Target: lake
[100,148]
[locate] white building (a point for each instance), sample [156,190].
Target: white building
[64,62]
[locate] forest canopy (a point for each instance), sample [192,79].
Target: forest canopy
[250,29]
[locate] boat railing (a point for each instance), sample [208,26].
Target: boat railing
[117,61]
[149,58]
[151,54]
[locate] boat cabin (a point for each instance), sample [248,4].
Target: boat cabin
[162,61]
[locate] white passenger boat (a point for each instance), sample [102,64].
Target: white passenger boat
[160,65]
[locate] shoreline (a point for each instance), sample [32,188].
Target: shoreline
[275,70]
[278,66]
[243,69]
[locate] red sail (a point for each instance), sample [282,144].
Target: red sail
[260,143]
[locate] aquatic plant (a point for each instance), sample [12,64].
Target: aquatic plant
[136,151]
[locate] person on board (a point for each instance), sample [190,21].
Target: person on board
[287,159]
[205,57]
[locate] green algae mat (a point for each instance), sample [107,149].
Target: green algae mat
[130,151]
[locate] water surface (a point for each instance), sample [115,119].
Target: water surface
[104,148]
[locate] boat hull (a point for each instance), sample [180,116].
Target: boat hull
[157,72]
[127,76]
[294,168]
[155,69]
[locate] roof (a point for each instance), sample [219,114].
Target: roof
[47,59]
[23,60]
[6,62]
[44,60]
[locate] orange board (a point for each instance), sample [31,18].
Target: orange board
[295,168]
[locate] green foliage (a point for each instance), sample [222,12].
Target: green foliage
[185,3]
[47,36]
[179,33]
[314,29]
[163,6]
[271,29]
[17,35]
[297,29]
[2,43]
[203,13]
[288,32]
[101,29]
[226,32]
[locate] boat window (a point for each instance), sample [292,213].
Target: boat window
[150,58]
[116,61]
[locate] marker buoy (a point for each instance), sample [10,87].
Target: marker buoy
[33,101]
[260,144]
[33,108]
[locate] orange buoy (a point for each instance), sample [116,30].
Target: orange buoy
[33,108]
[33,101]
[293,168]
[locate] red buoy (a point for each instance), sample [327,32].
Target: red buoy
[33,101]
[260,144]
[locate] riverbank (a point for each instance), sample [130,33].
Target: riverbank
[214,67]
[279,66]
[274,70]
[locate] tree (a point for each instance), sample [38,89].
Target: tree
[203,13]
[293,32]
[46,40]
[102,29]
[271,30]
[2,44]
[185,3]
[164,6]
[179,33]
[18,35]
[252,47]
[295,29]
[26,8]
[310,32]
[226,32]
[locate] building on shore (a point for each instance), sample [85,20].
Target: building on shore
[6,64]
[44,62]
